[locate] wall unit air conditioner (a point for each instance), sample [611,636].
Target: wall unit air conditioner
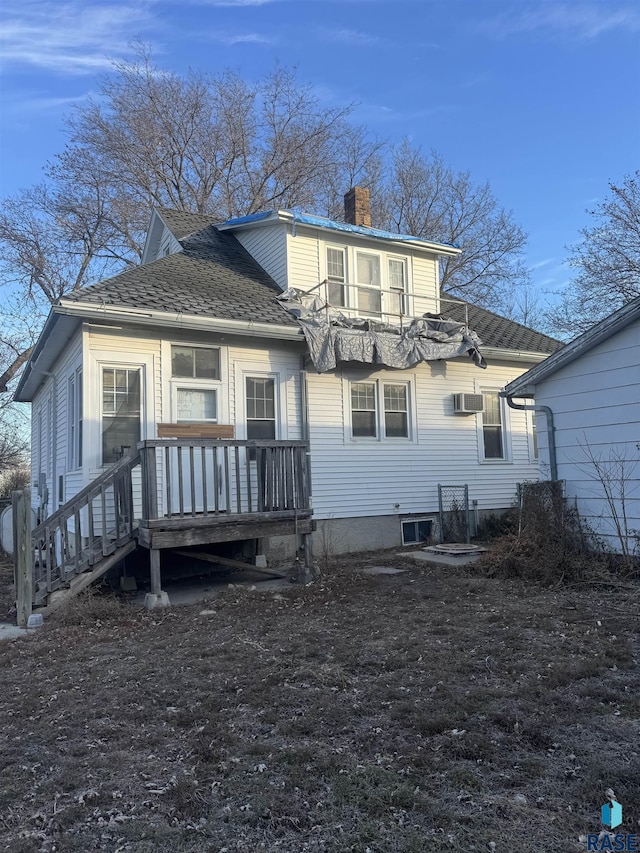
[467,404]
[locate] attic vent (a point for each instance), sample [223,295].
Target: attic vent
[467,404]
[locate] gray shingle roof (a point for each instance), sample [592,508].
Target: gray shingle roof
[183,224]
[214,276]
[498,332]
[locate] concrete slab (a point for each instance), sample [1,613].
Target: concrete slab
[202,589]
[10,632]
[442,559]
[382,570]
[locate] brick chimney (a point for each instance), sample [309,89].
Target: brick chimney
[357,207]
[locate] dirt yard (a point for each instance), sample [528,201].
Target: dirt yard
[428,711]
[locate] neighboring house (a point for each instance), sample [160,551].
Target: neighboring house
[589,423]
[195,342]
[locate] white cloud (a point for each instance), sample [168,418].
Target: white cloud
[240,38]
[70,38]
[586,21]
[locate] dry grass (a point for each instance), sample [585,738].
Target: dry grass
[426,711]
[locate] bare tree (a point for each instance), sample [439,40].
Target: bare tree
[224,146]
[607,261]
[425,198]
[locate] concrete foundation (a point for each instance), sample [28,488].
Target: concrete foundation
[153,600]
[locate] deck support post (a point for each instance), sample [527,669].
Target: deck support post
[23,555]
[306,573]
[155,598]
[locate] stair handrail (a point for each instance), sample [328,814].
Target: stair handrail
[101,480]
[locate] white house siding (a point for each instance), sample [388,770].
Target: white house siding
[425,284]
[49,427]
[283,361]
[268,246]
[360,478]
[595,401]
[303,250]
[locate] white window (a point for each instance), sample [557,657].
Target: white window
[379,409]
[336,276]
[260,407]
[367,282]
[195,362]
[368,274]
[196,405]
[397,286]
[364,420]
[493,432]
[121,411]
[74,399]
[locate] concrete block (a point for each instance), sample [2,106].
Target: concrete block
[128,584]
[261,561]
[35,621]
[151,600]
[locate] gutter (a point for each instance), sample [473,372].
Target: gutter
[551,429]
[188,321]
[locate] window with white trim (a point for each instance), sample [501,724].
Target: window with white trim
[74,401]
[121,411]
[336,276]
[260,407]
[196,405]
[189,362]
[397,286]
[379,409]
[369,296]
[369,282]
[493,433]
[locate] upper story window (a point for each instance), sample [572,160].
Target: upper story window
[368,282]
[195,362]
[336,276]
[397,285]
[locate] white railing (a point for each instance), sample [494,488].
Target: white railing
[392,306]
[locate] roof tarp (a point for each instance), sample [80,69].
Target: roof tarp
[332,337]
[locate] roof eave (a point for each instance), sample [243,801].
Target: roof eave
[289,217]
[585,342]
[502,354]
[146,317]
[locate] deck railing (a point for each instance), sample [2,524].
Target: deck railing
[205,478]
[93,525]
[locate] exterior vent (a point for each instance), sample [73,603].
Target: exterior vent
[467,404]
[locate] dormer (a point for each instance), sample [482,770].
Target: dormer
[358,270]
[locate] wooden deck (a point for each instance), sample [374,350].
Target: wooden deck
[174,493]
[198,491]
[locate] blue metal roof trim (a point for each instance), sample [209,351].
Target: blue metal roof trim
[252,217]
[323,222]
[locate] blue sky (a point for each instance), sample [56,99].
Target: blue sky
[542,99]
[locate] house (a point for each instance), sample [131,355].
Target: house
[588,396]
[292,331]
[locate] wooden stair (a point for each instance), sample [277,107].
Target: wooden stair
[85,537]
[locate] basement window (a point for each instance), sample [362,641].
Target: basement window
[417,531]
